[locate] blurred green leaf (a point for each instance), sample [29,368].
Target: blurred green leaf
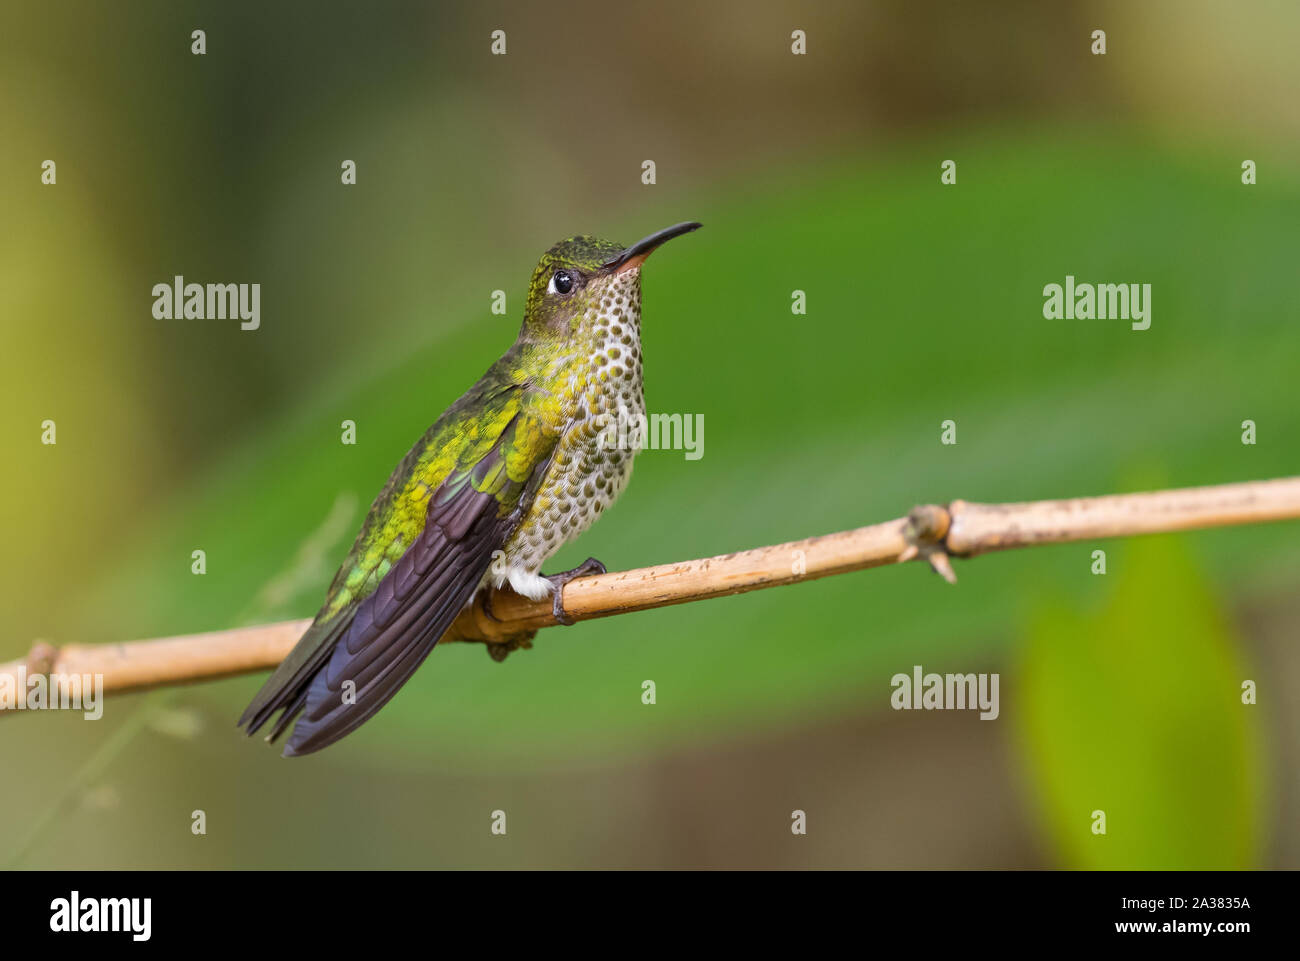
[1136,711]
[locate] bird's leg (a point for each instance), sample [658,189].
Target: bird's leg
[589,566]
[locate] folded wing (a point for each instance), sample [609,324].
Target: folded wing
[348,666]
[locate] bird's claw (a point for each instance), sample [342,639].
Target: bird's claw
[589,566]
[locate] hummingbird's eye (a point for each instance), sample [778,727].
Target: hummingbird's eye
[561,282]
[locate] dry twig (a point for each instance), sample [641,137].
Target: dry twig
[504,620]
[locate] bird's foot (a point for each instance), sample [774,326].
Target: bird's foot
[589,566]
[498,649]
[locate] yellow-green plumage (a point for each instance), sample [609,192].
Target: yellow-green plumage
[513,470]
[462,437]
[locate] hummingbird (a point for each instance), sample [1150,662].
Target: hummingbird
[512,471]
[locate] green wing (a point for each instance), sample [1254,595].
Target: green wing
[427,542]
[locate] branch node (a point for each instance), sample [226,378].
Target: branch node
[927,524]
[500,650]
[926,528]
[41,658]
[941,565]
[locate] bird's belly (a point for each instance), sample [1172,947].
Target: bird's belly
[590,469]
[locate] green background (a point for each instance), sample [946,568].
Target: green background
[819,173]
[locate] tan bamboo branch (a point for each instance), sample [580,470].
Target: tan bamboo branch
[504,620]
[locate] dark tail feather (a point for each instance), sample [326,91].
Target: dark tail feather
[380,657]
[287,715]
[287,687]
[345,670]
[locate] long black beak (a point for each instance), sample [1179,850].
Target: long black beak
[635,255]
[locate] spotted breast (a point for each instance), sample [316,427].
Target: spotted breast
[593,458]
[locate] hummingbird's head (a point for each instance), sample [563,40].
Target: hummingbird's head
[581,279]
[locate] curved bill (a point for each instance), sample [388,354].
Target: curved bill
[635,255]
